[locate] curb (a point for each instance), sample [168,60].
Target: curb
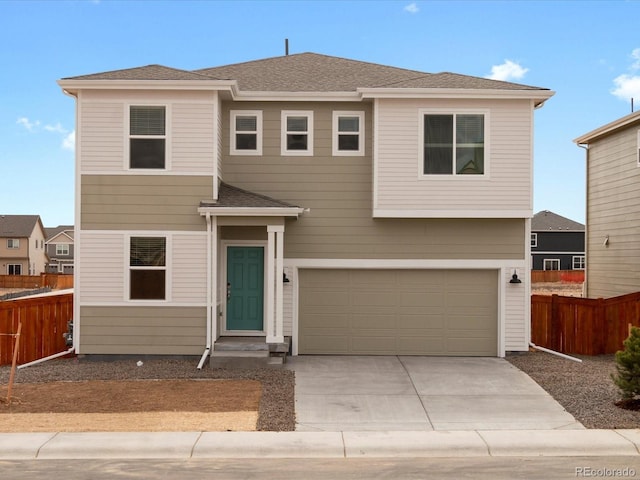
[219,445]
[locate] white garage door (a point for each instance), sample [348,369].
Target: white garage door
[398,312]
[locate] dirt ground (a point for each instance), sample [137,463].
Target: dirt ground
[135,405]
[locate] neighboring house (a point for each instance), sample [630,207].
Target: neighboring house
[60,249]
[557,243]
[355,208]
[613,207]
[22,250]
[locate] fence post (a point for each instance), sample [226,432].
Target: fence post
[556,334]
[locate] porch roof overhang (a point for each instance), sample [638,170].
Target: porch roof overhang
[236,202]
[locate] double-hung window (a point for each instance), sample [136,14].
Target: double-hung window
[453,144]
[348,133]
[297,133]
[13,243]
[534,239]
[147,268]
[147,137]
[246,132]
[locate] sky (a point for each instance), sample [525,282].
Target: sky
[588,52]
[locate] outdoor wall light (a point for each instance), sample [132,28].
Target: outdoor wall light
[284,278]
[514,278]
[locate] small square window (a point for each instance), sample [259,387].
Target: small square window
[297,133]
[534,239]
[246,132]
[348,133]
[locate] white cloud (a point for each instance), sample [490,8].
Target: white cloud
[627,85]
[55,128]
[507,71]
[412,8]
[69,142]
[26,123]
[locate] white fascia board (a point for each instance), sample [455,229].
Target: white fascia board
[251,211]
[297,96]
[539,95]
[61,234]
[415,213]
[608,128]
[75,85]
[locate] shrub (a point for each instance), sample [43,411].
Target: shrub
[628,366]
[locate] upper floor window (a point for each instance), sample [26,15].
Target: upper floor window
[147,137]
[297,133]
[13,243]
[454,144]
[147,268]
[246,132]
[534,239]
[62,249]
[348,133]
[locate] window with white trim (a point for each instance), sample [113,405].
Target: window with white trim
[14,269]
[578,262]
[348,133]
[534,239]
[13,243]
[551,264]
[147,137]
[147,268]
[246,132]
[453,143]
[297,133]
[62,249]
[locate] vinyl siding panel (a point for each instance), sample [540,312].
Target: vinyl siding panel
[192,138]
[506,184]
[189,269]
[142,330]
[102,140]
[143,202]
[613,210]
[517,313]
[100,272]
[338,192]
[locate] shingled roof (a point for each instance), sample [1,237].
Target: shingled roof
[230,196]
[17,226]
[549,221]
[310,72]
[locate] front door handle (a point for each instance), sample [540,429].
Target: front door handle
[228,290]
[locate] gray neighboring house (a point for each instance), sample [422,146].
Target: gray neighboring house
[351,207]
[60,248]
[613,207]
[557,243]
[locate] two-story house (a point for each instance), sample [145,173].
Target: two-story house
[22,249]
[613,207]
[60,248]
[355,208]
[557,243]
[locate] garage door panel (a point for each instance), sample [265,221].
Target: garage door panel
[410,312]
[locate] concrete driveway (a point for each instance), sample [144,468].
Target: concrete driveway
[351,393]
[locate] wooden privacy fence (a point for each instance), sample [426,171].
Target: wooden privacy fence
[583,326]
[53,280]
[554,276]
[44,320]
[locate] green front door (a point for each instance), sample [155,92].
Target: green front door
[245,288]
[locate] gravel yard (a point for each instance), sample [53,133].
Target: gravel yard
[584,389]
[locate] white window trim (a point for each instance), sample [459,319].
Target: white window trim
[15,243]
[554,260]
[534,239]
[283,133]
[60,250]
[167,268]
[582,259]
[232,141]
[348,153]
[454,111]
[166,136]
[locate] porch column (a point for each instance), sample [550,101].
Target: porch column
[275,253]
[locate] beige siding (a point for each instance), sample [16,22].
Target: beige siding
[142,330]
[104,133]
[613,210]
[143,202]
[516,314]
[101,268]
[505,186]
[189,269]
[338,192]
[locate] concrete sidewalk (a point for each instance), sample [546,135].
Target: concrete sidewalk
[219,445]
[389,393]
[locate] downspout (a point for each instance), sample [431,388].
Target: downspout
[207,349]
[553,352]
[586,215]
[50,357]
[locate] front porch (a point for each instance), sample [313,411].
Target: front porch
[252,347]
